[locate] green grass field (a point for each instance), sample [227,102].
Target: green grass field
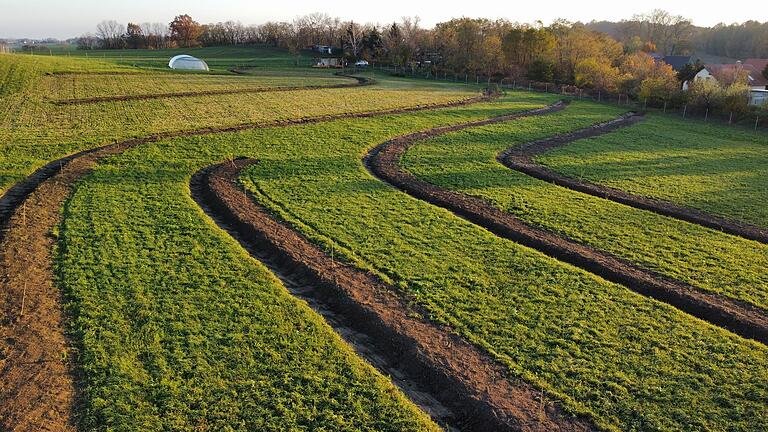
[33,130]
[707,259]
[218,58]
[710,167]
[178,328]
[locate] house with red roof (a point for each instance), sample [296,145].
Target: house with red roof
[751,69]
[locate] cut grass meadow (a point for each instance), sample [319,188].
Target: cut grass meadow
[133,243]
[706,166]
[465,161]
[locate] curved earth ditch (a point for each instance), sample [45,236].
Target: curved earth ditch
[383,161]
[521,158]
[37,375]
[424,357]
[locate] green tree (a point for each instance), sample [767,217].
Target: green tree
[593,73]
[185,31]
[134,36]
[541,70]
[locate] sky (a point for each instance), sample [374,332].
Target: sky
[64,19]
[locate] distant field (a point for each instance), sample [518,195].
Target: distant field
[710,167]
[33,130]
[218,58]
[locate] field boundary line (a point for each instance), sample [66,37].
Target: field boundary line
[521,158]
[361,82]
[383,161]
[481,393]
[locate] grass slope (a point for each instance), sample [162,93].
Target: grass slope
[630,362]
[179,328]
[34,131]
[134,245]
[708,259]
[706,166]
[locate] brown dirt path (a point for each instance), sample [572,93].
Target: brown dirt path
[520,158]
[37,384]
[744,319]
[480,393]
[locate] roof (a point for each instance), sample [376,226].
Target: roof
[677,62]
[756,78]
[759,64]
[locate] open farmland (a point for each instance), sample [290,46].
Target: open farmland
[710,260]
[699,165]
[153,311]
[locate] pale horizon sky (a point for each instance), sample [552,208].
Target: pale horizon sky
[65,19]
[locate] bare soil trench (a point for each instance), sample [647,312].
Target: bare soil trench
[384,162]
[451,379]
[520,158]
[37,374]
[361,81]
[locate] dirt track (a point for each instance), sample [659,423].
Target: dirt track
[37,390]
[81,101]
[479,392]
[520,158]
[744,319]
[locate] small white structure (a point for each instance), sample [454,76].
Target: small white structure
[187,62]
[758,97]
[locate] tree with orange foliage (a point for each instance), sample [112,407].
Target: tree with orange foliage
[185,31]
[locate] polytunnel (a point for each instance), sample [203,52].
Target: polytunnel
[187,62]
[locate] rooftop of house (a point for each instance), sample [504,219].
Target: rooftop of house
[677,62]
[755,75]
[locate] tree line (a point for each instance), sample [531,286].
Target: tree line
[605,57]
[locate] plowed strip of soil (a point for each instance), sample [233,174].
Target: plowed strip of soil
[478,391]
[81,101]
[37,391]
[744,319]
[520,158]
[37,385]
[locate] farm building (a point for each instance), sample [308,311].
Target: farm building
[758,97]
[187,62]
[329,62]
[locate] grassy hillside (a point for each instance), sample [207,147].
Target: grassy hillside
[711,167]
[708,259]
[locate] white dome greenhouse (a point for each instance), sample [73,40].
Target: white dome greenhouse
[187,62]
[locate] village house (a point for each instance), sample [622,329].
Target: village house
[752,68]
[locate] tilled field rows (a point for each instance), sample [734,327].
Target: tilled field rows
[384,162]
[479,391]
[37,390]
[520,158]
[493,405]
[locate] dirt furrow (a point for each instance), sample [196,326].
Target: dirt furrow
[81,101]
[520,158]
[478,392]
[384,162]
[37,384]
